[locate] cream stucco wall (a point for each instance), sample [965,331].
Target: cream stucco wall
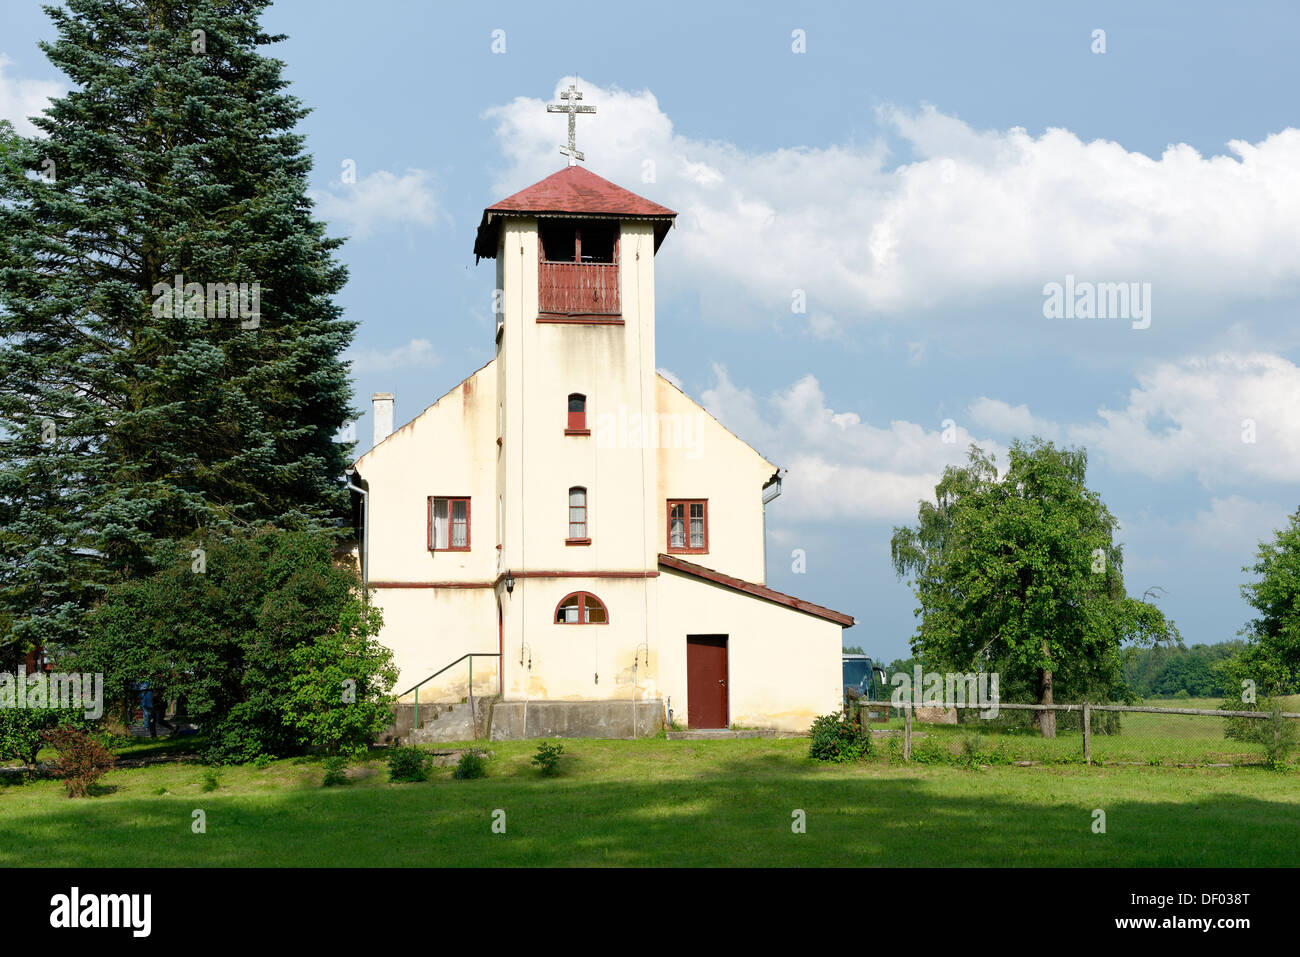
[711,463]
[783,665]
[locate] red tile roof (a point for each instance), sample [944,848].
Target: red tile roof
[574,190]
[758,591]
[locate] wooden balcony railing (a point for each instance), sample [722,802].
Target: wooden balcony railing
[578,289]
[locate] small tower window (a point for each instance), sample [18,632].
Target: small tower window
[577,517]
[577,421]
[578,241]
[581,608]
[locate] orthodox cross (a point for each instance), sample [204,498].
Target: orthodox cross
[573,109]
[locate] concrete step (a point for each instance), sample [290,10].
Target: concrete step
[716,734]
[449,722]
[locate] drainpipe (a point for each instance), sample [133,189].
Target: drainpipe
[365,533]
[771,491]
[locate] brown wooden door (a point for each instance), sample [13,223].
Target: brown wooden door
[706,681]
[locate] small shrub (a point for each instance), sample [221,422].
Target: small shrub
[838,738]
[263,761]
[21,730]
[83,759]
[929,750]
[211,780]
[471,765]
[336,771]
[547,758]
[407,763]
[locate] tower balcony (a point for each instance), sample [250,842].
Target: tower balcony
[578,289]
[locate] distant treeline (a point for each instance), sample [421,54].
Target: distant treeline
[1163,671]
[1166,670]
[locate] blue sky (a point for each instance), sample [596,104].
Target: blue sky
[920,174]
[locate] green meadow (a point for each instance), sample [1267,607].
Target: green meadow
[662,803]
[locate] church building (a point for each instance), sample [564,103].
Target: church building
[566,535]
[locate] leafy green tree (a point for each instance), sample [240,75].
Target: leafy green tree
[257,640]
[1271,656]
[129,416]
[1020,574]
[338,694]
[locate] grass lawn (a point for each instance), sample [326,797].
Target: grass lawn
[672,803]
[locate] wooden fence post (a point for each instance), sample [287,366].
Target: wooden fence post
[1087,733]
[907,732]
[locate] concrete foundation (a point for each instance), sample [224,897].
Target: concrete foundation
[513,720]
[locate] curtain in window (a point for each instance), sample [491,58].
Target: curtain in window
[567,613]
[459,523]
[676,527]
[440,523]
[697,525]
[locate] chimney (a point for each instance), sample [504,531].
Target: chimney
[383,414]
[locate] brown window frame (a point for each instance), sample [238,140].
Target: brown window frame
[585,538]
[686,504]
[451,522]
[576,423]
[582,597]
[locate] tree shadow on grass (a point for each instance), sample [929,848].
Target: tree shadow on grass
[736,813]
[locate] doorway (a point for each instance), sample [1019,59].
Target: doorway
[706,681]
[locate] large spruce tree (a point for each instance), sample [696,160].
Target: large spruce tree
[127,417]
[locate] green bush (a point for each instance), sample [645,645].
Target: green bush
[336,771]
[838,738]
[1275,734]
[471,765]
[21,729]
[407,763]
[547,758]
[82,760]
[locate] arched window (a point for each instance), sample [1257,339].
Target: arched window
[577,422]
[581,608]
[578,517]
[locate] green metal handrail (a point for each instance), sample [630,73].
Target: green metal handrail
[471,656]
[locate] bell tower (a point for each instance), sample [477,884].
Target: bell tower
[575,372]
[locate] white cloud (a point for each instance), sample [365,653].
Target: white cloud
[1219,538]
[1236,524]
[1196,416]
[20,98]
[417,352]
[379,200]
[1183,420]
[1003,419]
[975,214]
[839,466]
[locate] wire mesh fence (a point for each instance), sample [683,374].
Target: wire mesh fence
[1084,733]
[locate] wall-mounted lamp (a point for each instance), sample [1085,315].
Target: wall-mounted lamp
[510,583]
